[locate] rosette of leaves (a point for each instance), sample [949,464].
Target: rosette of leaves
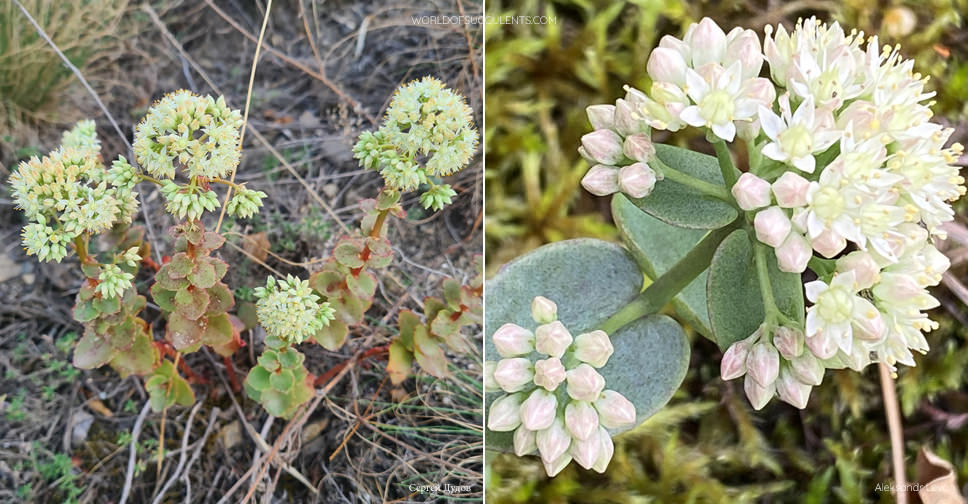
[280,381]
[424,341]
[344,280]
[189,290]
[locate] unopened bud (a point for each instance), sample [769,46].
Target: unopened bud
[586,451]
[554,467]
[793,254]
[604,146]
[865,268]
[489,384]
[584,383]
[524,442]
[554,441]
[594,348]
[605,452]
[627,120]
[751,192]
[637,180]
[828,243]
[807,369]
[549,373]
[733,364]
[601,116]
[538,410]
[868,322]
[512,340]
[772,226]
[756,393]
[581,419]
[614,410]
[601,180]
[708,43]
[513,374]
[823,346]
[552,339]
[791,391]
[763,363]
[505,413]
[667,65]
[638,147]
[543,310]
[788,341]
[791,190]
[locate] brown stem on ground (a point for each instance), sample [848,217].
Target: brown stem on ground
[328,375]
[893,412]
[230,370]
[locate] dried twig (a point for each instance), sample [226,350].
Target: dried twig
[893,412]
[133,457]
[182,458]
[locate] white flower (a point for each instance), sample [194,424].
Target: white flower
[790,190]
[836,307]
[718,101]
[581,418]
[637,180]
[795,138]
[601,180]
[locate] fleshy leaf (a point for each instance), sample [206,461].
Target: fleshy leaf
[92,351]
[191,302]
[399,362]
[180,266]
[332,336]
[362,285]
[185,334]
[347,252]
[204,275]
[164,298]
[138,359]
[430,355]
[218,331]
[220,298]
[258,378]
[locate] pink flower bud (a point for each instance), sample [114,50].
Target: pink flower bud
[513,374]
[793,254]
[772,226]
[549,373]
[614,410]
[756,393]
[748,130]
[744,46]
[821,345]
[807,369]
[637,180]
[751,192]
[554,441]
[584,383]
[512,340]
[667,65]
[538,410]
[788,341]
[552,339]
[763,363]
[505,413]
[791,190]
[868,321]
[554,467]
[543,310]
[601,116]
[601,180]
[639,147]
[627,119]
[586,451]
[604,146]
[792,391]
[489,384]
[828,243]
[865,268]
[733,364]
[605,452]
[761,90]
[581,419]
[708,43]
[524,442]
[594,348]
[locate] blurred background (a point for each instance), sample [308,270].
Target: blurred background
[708,445]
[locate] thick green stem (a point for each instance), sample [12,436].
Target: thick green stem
[766,288]
[664,288]
[707,188]
[730,173]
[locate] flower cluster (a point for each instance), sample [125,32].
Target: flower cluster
[245,202]
[289,311]
[620,151]
[556,405]
[113,281]
[69,193]
[845,163]
[425,121]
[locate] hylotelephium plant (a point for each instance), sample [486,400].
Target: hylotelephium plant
[817,256]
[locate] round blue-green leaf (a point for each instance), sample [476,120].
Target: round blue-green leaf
[680,205]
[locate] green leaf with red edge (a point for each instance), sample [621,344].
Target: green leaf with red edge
[85,311]
[107,306]
[332,336]
[452,293]
[276,403]
[140,358]
[212,240]
[381,254]
[184,334]
[86,293]
[164,298]
[347,252]
[193,232]
[248,315]
[445,324]
[328,279]
[282,380]
[133,302]
[432,306]
[220,298]
[218,331]
[92,351]
[91,270]
[191,302]
[164,279]
[220,267]
[399,362]
[362,285]
[181,392]
[429,353]
[407,321]
[473,306]
[180,266]
[349,308]
[258,379]
[121,336]
[204,275]
[233,345]
[387,199]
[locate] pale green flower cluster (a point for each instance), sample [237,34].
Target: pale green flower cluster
[113,281]
[427,132]
[131,257]
[245,202]
[200,133]
[288,309]
[188,201]
[68,193]
[437,197]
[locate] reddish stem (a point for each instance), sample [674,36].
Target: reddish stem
[149,262]
[190,375]
[230,370]
[328,375]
